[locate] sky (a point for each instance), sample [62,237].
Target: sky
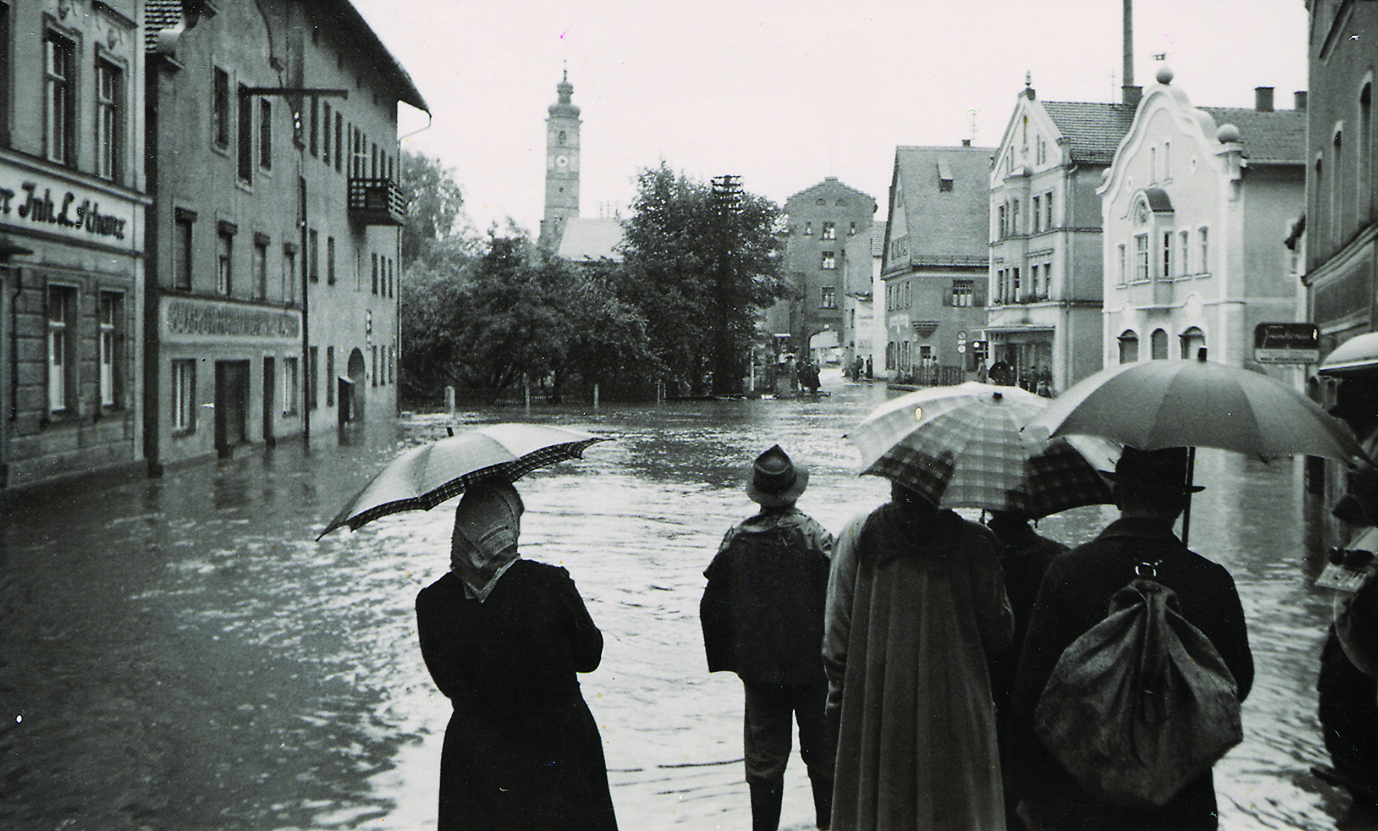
[785,94]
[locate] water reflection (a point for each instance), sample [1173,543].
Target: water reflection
[181,653]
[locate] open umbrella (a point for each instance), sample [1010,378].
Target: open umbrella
[962,446]
[425,476]
[1198,403]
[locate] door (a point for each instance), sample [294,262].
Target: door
[269,400]
[231,405]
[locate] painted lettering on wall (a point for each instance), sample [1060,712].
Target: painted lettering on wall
[186,317]
[66,211]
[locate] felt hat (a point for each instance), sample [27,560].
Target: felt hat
[1162,471]
[776,481]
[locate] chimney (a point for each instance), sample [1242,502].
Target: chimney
[1263,99]
[966,142]
[1129,50]
[1300,97]
[1132,95]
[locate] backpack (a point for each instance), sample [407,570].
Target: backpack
[1142,703]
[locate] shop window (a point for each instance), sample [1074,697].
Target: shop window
[59,99]
[220,109]
[109,121]
[62,310]
[183,397]
[111,322]
[289,386]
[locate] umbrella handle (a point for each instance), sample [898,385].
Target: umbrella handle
[1191,473]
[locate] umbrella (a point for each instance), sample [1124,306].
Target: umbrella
[1356,356]
[1198,403]
[425,476]
[963,446]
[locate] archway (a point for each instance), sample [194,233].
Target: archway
[351,389]
[1129,347]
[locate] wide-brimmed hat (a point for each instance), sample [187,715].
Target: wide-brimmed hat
[775,480]
[1356,399]
[1159,471]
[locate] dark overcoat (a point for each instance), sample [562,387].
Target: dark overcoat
[522,749]
[1075,596]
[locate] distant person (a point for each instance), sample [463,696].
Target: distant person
[1024,559]
[762,617]
[915,603]
[504,637]
[1075,596]
[811,377]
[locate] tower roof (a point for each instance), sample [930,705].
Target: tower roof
[564,107]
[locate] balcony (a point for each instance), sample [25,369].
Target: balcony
[376,202]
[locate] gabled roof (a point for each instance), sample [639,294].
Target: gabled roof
[1093,130]
[162,14]
[944,227]
[1276,136]
[591,240]
[832,184]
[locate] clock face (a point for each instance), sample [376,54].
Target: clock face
[562,162]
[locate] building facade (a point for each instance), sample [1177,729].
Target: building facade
[934,263]
[1195,209]
[862,327]
[1045,236]
[1341,222]
[274,242]
[561,166]
[820,220]
[72,208]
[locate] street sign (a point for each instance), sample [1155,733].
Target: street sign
[1287,343]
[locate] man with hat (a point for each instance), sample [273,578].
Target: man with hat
[762,616]
[1151,492]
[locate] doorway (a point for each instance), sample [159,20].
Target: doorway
[269,400]
[231,405]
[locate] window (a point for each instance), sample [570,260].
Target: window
[1014,285]
[289,386]
[245,137]
[1037,213]
[1337,185]
[62,309]
[829,299]
[330,376]
[829,261]
[60,99]
[6,96]
[183,397]
[109,120]
[111,345]
[944,185]
[852,231]
[224,261]
[220,109]
[314,140]
[963,292]
[1205,247]
[1167,161]
[339,141]
[1129,347]
[373,376]
[1141,258]
[265,133]
[1167,255]
[1014,218]
[1183,253]
[260,266]
[808,229]
[330,261]
[1048,211]
[1004,229]
[375,272]
[183,222]
[289,273]
[1365,154]
[1123,272]
[312,376]
[313,255]
[325,132]
[1153,165]
[829,231]
[1158,344]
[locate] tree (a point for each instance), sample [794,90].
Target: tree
[437,229]
[700,267]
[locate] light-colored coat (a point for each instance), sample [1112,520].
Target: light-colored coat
[913,606]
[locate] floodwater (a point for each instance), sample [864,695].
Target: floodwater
[182,654]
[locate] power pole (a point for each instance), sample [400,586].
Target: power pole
[727,350]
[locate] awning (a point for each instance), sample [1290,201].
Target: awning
[1355,356]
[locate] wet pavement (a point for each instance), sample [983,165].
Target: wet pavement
[181,654]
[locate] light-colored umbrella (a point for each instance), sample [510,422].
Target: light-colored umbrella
[424,476]
[1198,403]
[963,446]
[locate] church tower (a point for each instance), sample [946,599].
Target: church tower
[561,166]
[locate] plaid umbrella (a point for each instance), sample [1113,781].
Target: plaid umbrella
[964,446]
[424,476]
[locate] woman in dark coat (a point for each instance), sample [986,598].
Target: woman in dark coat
[504,638]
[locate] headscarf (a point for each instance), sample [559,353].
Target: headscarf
[484,543]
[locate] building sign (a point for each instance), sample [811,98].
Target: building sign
[184,319]
[1287,343]
[38,203]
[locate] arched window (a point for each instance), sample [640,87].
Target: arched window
[1129,347]
[562,136]
[1193,340]
[1158,344]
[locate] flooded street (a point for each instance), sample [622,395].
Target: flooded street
[181,654]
